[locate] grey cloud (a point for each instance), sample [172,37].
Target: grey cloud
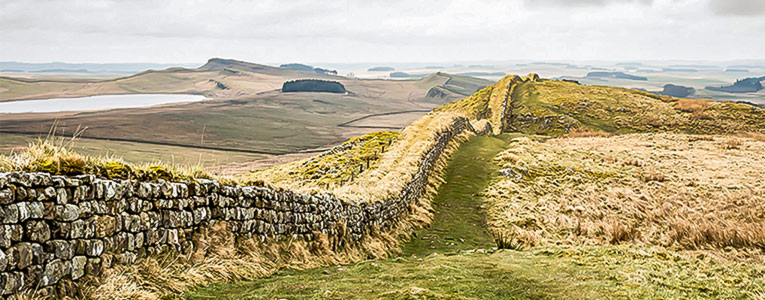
[738,7]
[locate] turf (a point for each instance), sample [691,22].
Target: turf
[457,223]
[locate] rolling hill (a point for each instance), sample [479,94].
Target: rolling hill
[246,114]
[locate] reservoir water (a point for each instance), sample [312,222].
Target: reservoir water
[94,102]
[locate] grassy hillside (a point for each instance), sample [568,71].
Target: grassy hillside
[555,107]
[453,259]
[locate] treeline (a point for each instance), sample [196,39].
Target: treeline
[313,85]
[746,85]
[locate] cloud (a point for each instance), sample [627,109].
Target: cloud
[738,7]
[583,3]
[375,30]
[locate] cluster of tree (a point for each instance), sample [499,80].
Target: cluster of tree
[678,91]
[746,85]
[307,68]
[313,85]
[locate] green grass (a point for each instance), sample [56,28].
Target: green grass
[362,154]
[441,262]
[584,272]
[456,224]
[554,107]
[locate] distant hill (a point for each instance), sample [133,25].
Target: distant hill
[677,91]
[448,86]
[406,75]
[737,70]
[307,68]
[685,70]
[746,85]
[381,69]
[62,71]
[555,107]
[620,75]
[482,74]
[12,66]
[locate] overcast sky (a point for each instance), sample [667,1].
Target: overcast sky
[380,31]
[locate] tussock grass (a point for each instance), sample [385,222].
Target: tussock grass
[54,155]
[693,105]
[674,191]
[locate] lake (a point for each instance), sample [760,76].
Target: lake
[95,102]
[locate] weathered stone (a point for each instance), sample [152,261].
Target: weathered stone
[78,266]
[105,226]
[93,266]
[68,212]
[36,210]
[37,231]
[49,193]
[62,196]
[132,223]
[20,255]
[77,230]
[86,209]
[7,196]
[54,271]
[60,249]
[3,261]
[10,214]
[90,247]
[21,194]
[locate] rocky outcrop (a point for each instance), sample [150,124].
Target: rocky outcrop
[56,230]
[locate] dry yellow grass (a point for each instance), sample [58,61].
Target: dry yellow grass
[578,132]
[676,191]
[54,155]
[394,169]
[693,105]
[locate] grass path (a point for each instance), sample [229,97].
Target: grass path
[458,223]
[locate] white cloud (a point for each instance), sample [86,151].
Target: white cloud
[376,30]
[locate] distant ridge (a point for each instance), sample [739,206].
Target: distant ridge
[620,75]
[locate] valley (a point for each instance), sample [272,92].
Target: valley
[245,114]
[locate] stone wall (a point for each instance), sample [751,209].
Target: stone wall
[54,230]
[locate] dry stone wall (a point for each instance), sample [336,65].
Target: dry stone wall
[54,230]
